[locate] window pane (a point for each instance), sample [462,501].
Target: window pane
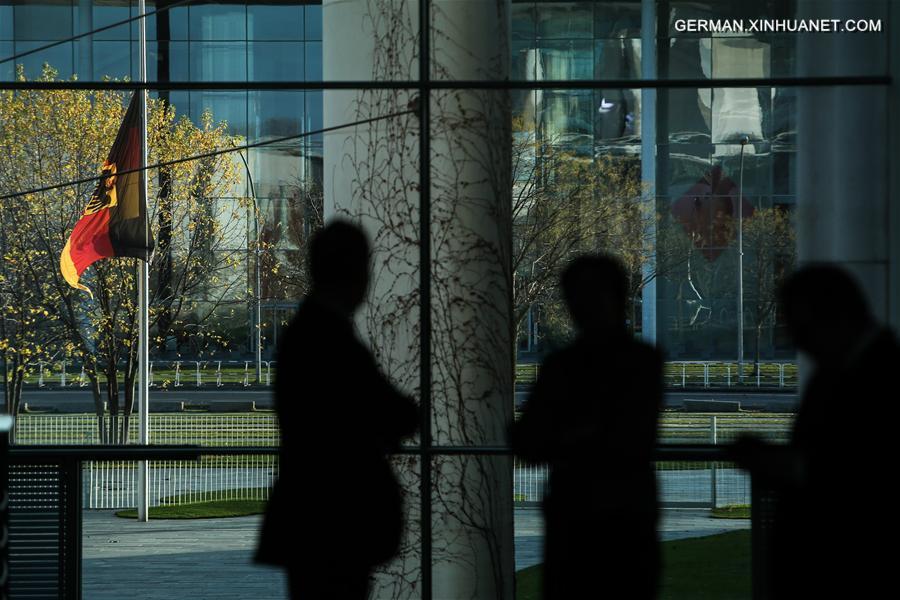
[218,22]
[218,61]
[275,22]
[275,61]
[313,22]
[58,57]
[104,15]
[43,21]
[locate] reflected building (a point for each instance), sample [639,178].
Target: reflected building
[199,42]
[695,168]
[689,304]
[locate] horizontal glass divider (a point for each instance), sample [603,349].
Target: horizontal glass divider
[849,80]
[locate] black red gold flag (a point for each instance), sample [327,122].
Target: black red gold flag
[114,222]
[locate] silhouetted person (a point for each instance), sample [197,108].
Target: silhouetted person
[335,511]
[832,476]
[592,416]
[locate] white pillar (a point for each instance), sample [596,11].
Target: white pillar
[845,136]
[648,166]
[371,175]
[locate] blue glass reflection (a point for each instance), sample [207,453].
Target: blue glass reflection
[313,22]
[218,21]
[313,69]
[58,57]
[218,61]
[275,61]
[275,22]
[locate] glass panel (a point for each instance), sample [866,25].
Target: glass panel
[218,61]
[617,59]
[313,14]
[178,21]
[218,22]
[275,61]
[58,57]
[566,60]
[524,22]
[7,70]
[565,20]
[178,61]
[313,67]
[276,114]
[275,21]
[43,20]
[6,23]
[277,171]
[104,15]
[225,106]
[113,60]
[617,20]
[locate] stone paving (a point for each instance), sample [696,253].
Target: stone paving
[211,558]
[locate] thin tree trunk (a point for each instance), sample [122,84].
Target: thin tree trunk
[98,407]
[112,393]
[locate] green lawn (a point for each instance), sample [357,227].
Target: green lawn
[708,568]
[201,510]
[732,511]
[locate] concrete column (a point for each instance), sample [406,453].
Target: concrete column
[843,181]
[847,194]
[371,175]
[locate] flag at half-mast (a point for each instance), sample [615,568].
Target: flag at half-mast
[114,222]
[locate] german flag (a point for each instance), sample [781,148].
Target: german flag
[115,220]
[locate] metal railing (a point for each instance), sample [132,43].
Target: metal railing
[714,374]
[165,373]
[218,373]
[114,485]
[63,467]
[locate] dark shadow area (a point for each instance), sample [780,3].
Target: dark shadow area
[339,417]
[840,448]
[593,410]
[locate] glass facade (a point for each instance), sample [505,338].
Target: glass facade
[239,42]
[667,175]
[700,173]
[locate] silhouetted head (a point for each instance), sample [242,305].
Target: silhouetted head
[339,265]
[595,288]
[825,310]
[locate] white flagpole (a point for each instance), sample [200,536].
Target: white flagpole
[143,291]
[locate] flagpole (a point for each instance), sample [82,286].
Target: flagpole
[143,289]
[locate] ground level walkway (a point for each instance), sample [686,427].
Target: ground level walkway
[211,558]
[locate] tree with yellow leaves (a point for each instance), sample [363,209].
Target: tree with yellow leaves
[57,136]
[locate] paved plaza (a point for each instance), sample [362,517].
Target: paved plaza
[211,558]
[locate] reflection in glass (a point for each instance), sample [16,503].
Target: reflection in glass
[565,20]
[58,57]
[275,61]
[225,106]
[104,15]
[281,22]
[42,20]
[565,60]
[218,61]
[218,21]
